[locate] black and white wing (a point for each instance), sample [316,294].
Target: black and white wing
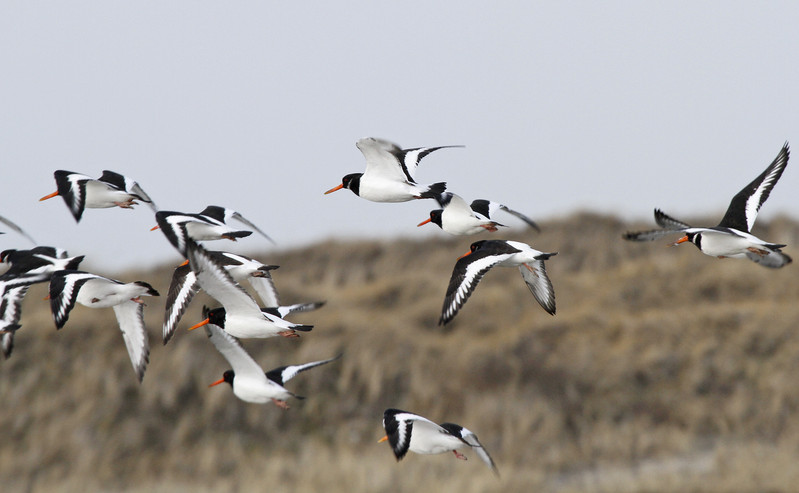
[535,276]
[181,291]
[471,439]
[488,209]
[242,363]
[72,188]
[286,310]
[64,288]
[399,426]
[17,229]
[129,315]
[409,159]
[283,374]
[122,182]
[223,214]
[669,224]
[12,292]
[742,212]
[238,217]
[264,286]
[215,280]
[173,225]
[468,271]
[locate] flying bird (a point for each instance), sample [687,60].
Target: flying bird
[390,173]
[456,217]
[407,431]
[239,315]
[240,267]
[110,190]
[70,286]
[210,224]
[485,254]
[37,260]
[26,268]
[731,238]
[12,292]
[248,380]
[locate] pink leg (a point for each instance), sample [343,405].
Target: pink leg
[288,333]
[281,404]
[459,455]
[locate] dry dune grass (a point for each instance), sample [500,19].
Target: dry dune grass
[664,370]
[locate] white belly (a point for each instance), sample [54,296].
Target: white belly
[434,443]
[258,392]
[99,196]
[724,245]
[384,190]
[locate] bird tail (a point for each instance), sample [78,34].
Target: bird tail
[434,190]
[545,256]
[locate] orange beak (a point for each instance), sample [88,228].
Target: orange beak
[154,228]
[383,439]
[424,222]
[46,297]
[681,240]
[199,324]
[49,196]
[221,380]
[465,254]
[184,263]
[339,187]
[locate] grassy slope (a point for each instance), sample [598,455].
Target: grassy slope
[663,370]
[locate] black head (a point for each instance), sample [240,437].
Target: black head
[6,253]
[216,316]
[226,377]
[694,237]
[477,245]
[435,217]
[352,182]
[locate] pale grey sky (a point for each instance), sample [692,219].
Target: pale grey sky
[616,107]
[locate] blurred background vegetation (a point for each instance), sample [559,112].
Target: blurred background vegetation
[663,370]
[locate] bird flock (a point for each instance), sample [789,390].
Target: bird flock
[389,177]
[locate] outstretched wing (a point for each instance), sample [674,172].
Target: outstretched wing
[488,209]
[409,159]
[238,217]
[665,221]
[285,373]
[742,212]
[64,288]
[72,188]
[129,315]
[215,280]
[535,276]
[242,363]
[181,291]
[468,271]
[122,182]
[472,440]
